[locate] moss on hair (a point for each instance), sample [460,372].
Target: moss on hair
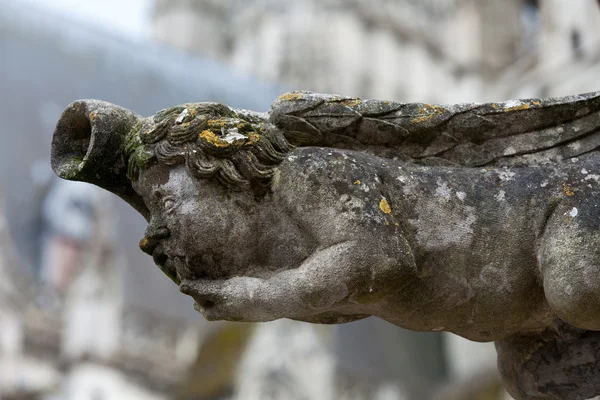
[213,141]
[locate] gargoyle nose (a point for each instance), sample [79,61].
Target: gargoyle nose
[152,238]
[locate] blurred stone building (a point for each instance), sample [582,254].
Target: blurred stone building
[439,51]
[89,345]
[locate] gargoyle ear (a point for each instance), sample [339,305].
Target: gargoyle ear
[88,145]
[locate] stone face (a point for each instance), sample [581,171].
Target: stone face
[477,219]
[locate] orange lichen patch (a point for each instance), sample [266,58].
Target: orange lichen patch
[535,103]
[213,139]
[252,138]
[522,106]
[351,102]
[384,206]
[290,96]
[567,189]
[428,111]
[93,115]
[357,182]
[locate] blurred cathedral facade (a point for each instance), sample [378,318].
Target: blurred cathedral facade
[77,339]
[437,51]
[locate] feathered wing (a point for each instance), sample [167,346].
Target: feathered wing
[516,132]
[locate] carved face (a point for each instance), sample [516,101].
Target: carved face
[197,228]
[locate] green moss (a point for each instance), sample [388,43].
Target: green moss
[132,140]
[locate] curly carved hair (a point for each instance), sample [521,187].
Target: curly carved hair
[238,148]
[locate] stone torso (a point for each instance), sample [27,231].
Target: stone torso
[473,232]
[477,232]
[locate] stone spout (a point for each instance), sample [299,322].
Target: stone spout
[89,146]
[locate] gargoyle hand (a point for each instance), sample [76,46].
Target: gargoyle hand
[326,281]
[234,299]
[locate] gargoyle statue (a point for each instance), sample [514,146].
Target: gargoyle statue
[477,219]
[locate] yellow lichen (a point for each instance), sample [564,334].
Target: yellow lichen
[290,96]
[495,106]
[351,102]
[357,182]
[428,111]
[522,106]
[384,206]
[191,108]
[93,115]
[253,138]
[567,189]
[213,139]
[217,123]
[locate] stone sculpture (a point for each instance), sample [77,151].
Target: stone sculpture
[477,219]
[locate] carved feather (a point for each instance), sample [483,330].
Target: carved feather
[516,132]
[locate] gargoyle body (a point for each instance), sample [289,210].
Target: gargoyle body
[481,220]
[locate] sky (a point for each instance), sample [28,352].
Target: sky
[130,18]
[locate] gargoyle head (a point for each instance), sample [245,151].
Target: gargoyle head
[194,172]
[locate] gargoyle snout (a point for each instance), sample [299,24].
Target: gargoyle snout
[89,146]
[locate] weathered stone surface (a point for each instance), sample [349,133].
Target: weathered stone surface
[478,219]
[558,363]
